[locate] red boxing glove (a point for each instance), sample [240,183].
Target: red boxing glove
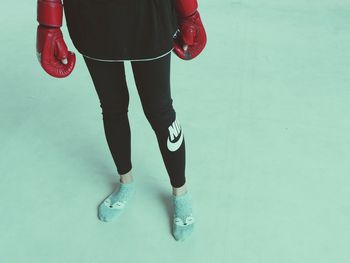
[52,51]
[191,39]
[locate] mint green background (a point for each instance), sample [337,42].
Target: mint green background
[265,111]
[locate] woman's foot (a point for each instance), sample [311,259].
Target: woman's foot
[183,220]
[113,206]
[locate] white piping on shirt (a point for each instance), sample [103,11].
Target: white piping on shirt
[145,59]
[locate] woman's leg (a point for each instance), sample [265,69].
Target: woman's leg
[153,84]
[110,84]
[152,79]
[111,87]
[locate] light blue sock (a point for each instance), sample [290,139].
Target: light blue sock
[183,220]
[115,203]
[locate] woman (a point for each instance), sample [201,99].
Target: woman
[144,32]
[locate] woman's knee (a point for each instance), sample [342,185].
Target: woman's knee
[114,110]
[161,116]
[167,128]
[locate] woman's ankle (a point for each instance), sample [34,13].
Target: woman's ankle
[177,191]
[127,177]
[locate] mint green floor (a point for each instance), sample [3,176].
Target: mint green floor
[265,111]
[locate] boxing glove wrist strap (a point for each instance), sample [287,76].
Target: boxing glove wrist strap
[185,8]
[50,12]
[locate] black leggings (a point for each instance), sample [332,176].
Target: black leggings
[152,80]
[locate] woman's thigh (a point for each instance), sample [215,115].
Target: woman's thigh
[152,79]
[110,84]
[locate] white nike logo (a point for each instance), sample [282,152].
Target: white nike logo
[174,131]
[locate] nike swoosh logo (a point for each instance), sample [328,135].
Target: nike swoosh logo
[173,146]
